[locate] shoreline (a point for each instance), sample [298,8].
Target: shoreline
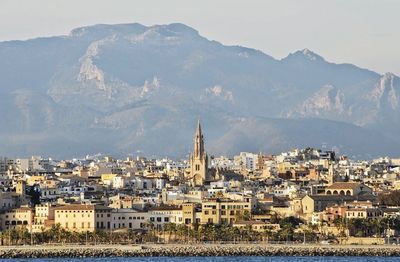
[154,250]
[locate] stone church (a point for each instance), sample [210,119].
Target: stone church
[198,160]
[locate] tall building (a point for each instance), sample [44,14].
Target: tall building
[198,160]
[20,188]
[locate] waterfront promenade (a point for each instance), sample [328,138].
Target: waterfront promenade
[47,251]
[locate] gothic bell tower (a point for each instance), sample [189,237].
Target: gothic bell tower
[198,160]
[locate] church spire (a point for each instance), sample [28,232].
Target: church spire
[198,129]
[198,161]
[198,142]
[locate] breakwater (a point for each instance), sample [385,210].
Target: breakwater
[195,250]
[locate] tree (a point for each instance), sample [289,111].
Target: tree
[170,228]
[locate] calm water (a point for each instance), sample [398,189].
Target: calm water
[217,259]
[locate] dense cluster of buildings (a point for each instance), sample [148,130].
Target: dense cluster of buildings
[102,193]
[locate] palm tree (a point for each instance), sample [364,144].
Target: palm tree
[149,226]
[170,228]
[267,233]
[181,231]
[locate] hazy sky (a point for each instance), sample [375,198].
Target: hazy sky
[362,32]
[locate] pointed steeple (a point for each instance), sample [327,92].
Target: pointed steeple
[198,142]
[198,160]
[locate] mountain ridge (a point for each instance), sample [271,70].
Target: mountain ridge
[130,83]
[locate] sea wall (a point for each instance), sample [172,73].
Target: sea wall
[196,250]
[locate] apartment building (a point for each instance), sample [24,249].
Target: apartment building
[17,218]
[224,211]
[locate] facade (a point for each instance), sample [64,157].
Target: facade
[347,188]
[83,218]
[128,219]
[44,217]
[318,203]
[363,212]
[224,211]
[17,218]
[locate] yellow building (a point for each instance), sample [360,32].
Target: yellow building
[32,180]
[189,213]
[107,178]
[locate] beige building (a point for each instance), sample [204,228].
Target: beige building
[189,214]
[347,188]
[17,218]
[121,201]
[44,217]
[317,203]
[129,219]
[363,212]
[223,211]
[82,218]
[161,215]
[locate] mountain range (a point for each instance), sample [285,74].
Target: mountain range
[130,88]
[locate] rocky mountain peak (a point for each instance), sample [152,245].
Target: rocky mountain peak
[305,54]
[386,91]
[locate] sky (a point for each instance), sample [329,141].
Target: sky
[361,32]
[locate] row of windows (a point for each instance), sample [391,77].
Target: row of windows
[122,225]
[130,218]
[223,212]
[234,206]
[19,222]
[101,215]
[66,215]
[159,219]
[74,225]
[74,211]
